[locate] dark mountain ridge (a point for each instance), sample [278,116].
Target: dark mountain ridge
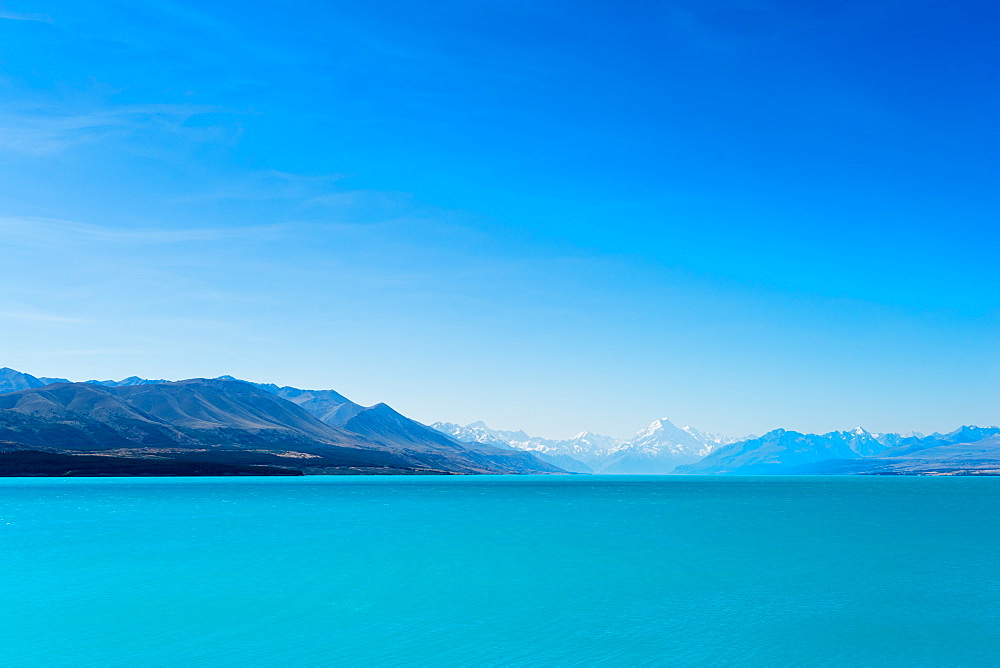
[229,420]
[329,406]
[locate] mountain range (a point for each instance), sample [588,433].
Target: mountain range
[665,448]
[657,449]
[237,427]
[229,421]
[967,450]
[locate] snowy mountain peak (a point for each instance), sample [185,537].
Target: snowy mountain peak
[656,449]
[588,441]
[663,436]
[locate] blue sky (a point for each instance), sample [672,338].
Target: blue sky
[550,215]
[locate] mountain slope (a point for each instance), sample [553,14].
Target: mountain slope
[217,404]
[379,426]
[12,381]
[80,417]
[234,421]
[382,424]
[329,406]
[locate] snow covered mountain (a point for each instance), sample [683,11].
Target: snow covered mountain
[545,449]
[857,450]
[659,448]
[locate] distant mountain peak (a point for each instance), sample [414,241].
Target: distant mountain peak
[385,410]
[656,449]
[12,380]
[589,435]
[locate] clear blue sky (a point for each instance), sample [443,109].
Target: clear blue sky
[551,215]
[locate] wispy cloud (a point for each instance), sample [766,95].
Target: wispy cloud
[38,132]
[49,233]
[41,318]
[17,16]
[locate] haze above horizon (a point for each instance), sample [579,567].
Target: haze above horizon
[551,216]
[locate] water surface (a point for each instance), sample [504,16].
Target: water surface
[500,570]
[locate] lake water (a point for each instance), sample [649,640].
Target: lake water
[500,571]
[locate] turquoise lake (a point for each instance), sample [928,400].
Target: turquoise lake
[500,571]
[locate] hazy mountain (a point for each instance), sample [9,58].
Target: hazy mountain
[235,422]
[331,407]
[786,448]
[12,381]
[50,381]
[586,444]
[131,380]
[782,451]
[657,449]
[904,445]
[979,457]
[381,423]
[565,462]
[982,453]
[478,432]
